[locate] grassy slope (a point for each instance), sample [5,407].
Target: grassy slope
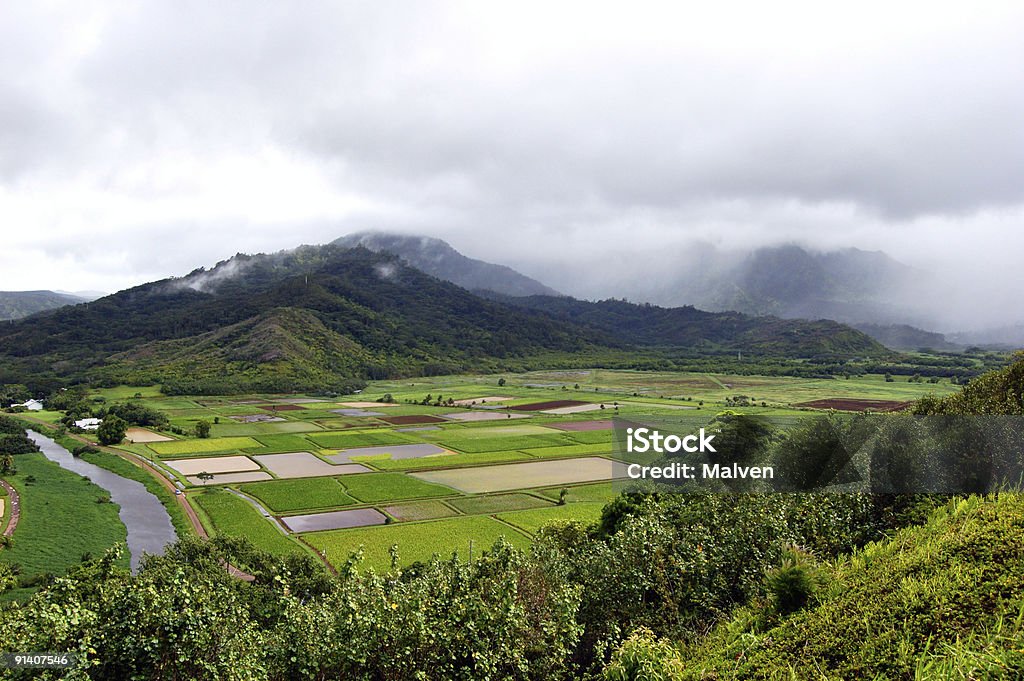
[892,603]
[60,518]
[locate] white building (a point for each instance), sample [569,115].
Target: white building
[31,405]
[88,424]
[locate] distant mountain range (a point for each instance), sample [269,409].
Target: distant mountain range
[327,317]
[437,258]
[849,285]
[18,304]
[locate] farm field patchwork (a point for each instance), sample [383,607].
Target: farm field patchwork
[500,442]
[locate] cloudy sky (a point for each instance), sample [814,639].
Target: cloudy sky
[140,140]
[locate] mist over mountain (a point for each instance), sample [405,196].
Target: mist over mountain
[437,258]
[892,302]
[327,317]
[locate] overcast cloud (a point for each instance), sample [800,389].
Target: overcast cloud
[141,140]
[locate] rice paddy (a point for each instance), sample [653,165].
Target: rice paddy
[437,477]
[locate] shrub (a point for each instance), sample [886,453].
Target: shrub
[642,657]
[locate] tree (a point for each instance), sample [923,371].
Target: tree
[501,382]
[7,465]
[112,430]
[202,429]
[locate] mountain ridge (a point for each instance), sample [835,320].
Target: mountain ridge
[439,259]
[326,318]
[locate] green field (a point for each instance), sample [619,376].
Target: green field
[591,437]
[416,541]
[387,464]
[374,487]
[533,519]
[497,503]
[498,443]
[213,444]
[420,510]
[283,496]
[690,398]
[61,520]
[343,440]
[602,492]
[235,517]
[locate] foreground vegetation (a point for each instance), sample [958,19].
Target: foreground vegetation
[664,586]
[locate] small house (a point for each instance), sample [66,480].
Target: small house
[88,424]
[31,405]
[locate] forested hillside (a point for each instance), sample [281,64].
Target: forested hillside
[327,318]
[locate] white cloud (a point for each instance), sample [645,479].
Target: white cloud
[142,140]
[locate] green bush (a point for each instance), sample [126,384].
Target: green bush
[642,657]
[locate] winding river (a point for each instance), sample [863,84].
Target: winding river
[149,526]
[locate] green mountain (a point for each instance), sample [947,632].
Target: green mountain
[906,337]
[18,304]
[327,318]
[687,326]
